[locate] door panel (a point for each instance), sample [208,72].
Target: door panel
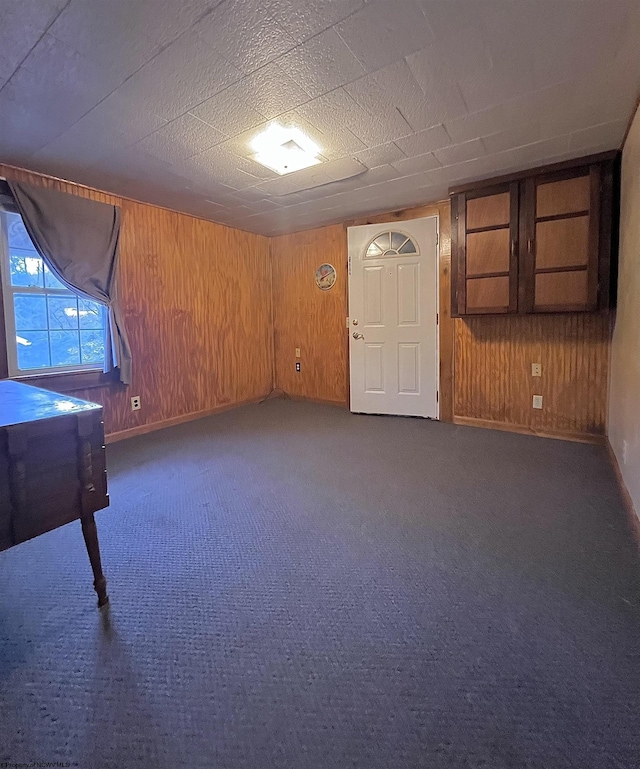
[563,197]
[562,243]
[409,368]
[373,368]
[487,294]
[408,294]
[393,341]
[488,252]
[489,211]
[373,296]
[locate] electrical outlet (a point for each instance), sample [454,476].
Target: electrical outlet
[536,369]
[298,365]
[297,352]
[537,401]
[135,403]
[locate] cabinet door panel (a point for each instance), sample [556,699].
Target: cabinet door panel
[484,260]
[562,289]
[540,241]
[488,295]
[488,211]
[566,196]
[562,243]
[561,215]
[488,252]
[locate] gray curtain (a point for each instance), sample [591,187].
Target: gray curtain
[7,203]
[78,240]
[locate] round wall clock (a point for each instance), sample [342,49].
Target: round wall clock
[325,277]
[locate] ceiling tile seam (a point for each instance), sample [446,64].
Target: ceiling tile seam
[361,63]
[126,80]
[405,120]
[243,75]
[259,69]
[313,37]
[270,120]
[234,84]
[169,123]
[374,118]
[26,56]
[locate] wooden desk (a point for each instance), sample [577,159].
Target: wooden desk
[52,468]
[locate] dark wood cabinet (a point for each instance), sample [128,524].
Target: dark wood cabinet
[537,242]
[52,468]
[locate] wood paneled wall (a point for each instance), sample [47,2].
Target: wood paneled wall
[308,318]
[197,304]
[485,363]
[493,372]
[214,316]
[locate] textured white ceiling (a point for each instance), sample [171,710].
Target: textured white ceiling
[159,99]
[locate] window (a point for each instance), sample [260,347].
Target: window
[48,327]
[391,244]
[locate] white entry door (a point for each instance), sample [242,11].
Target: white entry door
[393,305]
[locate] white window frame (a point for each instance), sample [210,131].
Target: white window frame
[8,291]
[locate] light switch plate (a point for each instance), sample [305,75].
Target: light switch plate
[537,401]
[536,369]
[297,352]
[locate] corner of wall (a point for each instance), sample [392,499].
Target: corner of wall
[623,425]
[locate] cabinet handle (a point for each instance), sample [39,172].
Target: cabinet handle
[513,248]
[530,245]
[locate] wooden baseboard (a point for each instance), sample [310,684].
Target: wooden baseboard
[131,432]
[634,520]
[524,430]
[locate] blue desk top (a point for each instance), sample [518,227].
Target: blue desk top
[21,403]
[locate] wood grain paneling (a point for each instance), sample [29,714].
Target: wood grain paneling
[201,301]
[493,371]
[488,294]
[308,318]
[488,211]
[563,197]
[488,252]
[197,304]
[562,243]
[561,289]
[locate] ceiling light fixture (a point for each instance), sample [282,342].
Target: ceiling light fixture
[285,150]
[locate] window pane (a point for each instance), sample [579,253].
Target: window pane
[50,280]
[90,313]
[33,349]
[26,270]
[30,312]
[383,241]
[92,346]
[17,234]
[65,348]
[408,248]
[63,312]
[397,239]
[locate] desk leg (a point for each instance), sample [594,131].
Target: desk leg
[90,533]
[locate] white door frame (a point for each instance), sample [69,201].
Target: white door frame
[392,225]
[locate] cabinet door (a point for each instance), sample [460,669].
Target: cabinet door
[485,248]
[560,222]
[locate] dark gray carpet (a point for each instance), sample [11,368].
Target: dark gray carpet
[293,586]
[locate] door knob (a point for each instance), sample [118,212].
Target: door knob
[355,321]
[356,335]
